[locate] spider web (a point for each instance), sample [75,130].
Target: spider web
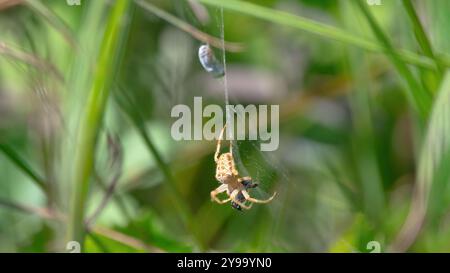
[235,144]
[273,171]
[265,167]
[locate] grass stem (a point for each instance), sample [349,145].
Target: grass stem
[92,119]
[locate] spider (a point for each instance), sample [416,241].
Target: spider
[235,186]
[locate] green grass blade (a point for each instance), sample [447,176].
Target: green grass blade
[324,30]
[418,97]
[431,79]
[54,20]
[22,165]
[363,142]
[437,144]
[98,242]
[92,118]
[433,167]
[421,36]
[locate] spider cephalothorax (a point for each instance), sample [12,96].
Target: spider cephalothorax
[231,183]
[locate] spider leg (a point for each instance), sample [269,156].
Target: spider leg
[240,179]
[253,200]
[218,190]
[247,182]
[216,155]
[233,197]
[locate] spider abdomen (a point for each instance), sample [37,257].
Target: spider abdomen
[225,168]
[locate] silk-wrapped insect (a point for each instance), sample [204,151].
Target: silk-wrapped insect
[210,62]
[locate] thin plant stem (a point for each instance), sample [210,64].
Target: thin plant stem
[116,157]
[30,59]
[23,165]
[197,34]
[421,36]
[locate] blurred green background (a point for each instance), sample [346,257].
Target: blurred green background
[86,152]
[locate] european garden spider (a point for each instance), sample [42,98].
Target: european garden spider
[235,187]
